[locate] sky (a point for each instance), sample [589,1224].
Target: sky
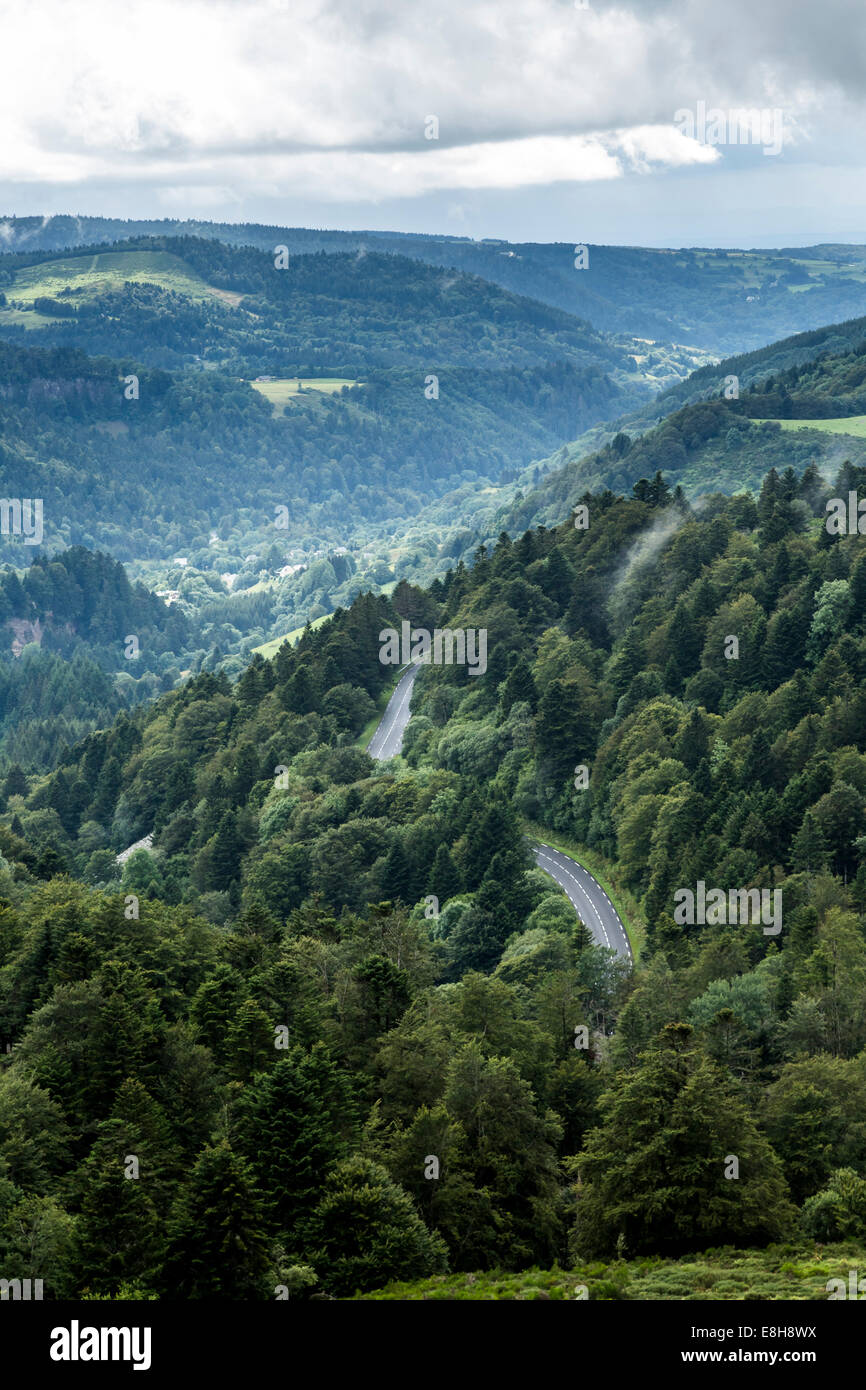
[532,120]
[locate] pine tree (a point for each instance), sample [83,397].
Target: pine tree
[300,694]
[587,610]
[226,850]
[250,1041]
[398,874]
[15,783]
[477,942]
[214,1006]
[495,829]
[557,579]
[652,1176]
[365,1232]
[505,891]
[445,881]
[293,1123]
[809,850]
[562,729]
[246,770]
[519,687]
[117,1232]
[217,1242]
[384,994]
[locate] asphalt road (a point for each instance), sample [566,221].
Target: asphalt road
[588,898]
[388,738]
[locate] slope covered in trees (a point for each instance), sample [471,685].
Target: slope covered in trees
[719,429]
[272,1014]
[161,442]
[78,643]
[721,301]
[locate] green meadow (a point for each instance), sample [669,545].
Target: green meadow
[729,1275]
[279,393]
[269,649]
[848,424]
[87,277]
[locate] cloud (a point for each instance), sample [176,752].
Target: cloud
[325,99]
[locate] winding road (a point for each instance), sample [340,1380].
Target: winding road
[585,893]
[587,897]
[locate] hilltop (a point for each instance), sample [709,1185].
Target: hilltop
[719,301]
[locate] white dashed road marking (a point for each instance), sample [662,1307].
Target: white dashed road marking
[378,745]
[564,865]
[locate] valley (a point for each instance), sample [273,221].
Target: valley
[244,824]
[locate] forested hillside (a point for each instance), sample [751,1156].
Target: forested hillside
[724,427]
[721,301]
[78,643]
[195,454]
[836,340]
[327,973]
[174,300]
[169,395]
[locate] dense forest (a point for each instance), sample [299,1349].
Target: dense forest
[78,643]
[159,442]
[721,428]
[345,313]
[327,1021]
[722,301]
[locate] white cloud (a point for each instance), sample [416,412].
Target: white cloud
[328,100]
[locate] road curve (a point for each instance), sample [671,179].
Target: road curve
[586,895]
[588,898]
[388,738]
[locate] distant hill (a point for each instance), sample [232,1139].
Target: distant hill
[720,301]
[174,301]
[706,442]
[149,394]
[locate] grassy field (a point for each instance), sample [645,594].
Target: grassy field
[269,649]
[87,277]
[279,393]
[848,424]
[601,870]
[23,319]
[799,1273]
[755,268]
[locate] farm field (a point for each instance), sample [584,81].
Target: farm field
[279,393]
[20,318]
[80,278]
[269,649]
[848,424]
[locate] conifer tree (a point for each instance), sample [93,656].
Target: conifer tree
[293,1123]
[652,1176]
[217,1245]
[365,1232]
